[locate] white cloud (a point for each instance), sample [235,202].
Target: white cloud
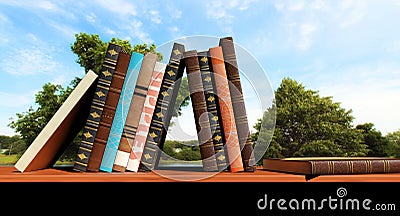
[119,7]
[91,17]
[29,62]
[155,16]
[174,12]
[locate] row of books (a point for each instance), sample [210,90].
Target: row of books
[126,109]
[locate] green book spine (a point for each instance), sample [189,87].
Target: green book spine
[164,108]
[218,137]
[97,106]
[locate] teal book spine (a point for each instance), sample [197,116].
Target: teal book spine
[121,112]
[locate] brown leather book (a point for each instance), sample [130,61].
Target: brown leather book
[97,106]
[164,109]
[135,111]
[333,165]
[232,72]
[226,110]
[201,118]
[108,113]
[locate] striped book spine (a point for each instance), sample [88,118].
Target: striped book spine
[135,110]
[121,113]
[226,110]
[145,118]
[201,118]
[239,109]
[96,108]
[164,108]
[218,137]
[108,113]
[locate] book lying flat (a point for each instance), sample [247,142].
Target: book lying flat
[62,127]
[333,165]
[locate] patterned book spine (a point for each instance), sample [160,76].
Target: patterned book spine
[164,109]
[332,167]
[213,110]
[107,116]
[135,110]
[226,110]
[201,118]
[121,112]
[145,118]
[239,108]
[96,108]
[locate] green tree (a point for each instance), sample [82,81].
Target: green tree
[393,149]
[374,139]
[309,125]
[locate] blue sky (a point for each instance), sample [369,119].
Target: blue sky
[348,49]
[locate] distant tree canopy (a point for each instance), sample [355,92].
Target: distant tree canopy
[90,51]
[308,125]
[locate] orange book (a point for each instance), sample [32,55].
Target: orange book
[226,109]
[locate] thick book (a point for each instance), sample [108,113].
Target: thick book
[145,117]
[121,112]
[97,106]
[200,113]
[61,129]
[109,109]
[135,110]
[239,109]
[333,165]
[226,109]
[214,114]
[164,108]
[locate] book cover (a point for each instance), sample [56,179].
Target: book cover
[164,108]
[135,110]
[121,112]
[218,137]
[61,129]
[201,118]
[333,165]
[96,108]
[239,109]
[145,118]
[226,109]
[107,115]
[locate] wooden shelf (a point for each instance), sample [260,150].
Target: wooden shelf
[66,174]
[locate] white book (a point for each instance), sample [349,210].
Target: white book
[61,129]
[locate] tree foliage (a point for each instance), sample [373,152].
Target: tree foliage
[308,125]
[376,142]
[393,149]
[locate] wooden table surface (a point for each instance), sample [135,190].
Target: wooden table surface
[56,174]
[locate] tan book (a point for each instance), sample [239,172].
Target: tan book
[62,128]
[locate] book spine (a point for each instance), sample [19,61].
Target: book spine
[145,118]
[164,108]
[96,108]
[136,106]
[354,167]
[213,110]
[226,110]
[121,112]
[201,118]
[108,112]
[238,104]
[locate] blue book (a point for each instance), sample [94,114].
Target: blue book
[121,112]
